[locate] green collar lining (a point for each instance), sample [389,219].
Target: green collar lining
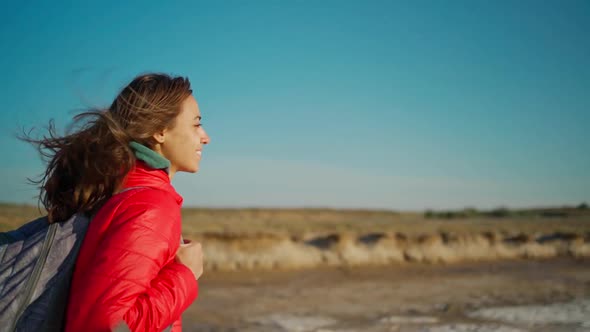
[151,157]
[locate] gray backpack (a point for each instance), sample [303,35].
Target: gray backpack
[36,265]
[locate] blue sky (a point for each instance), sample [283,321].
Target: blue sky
[364,104]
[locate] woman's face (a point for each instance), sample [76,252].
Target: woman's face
[183,143]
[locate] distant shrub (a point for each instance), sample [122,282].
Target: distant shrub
[554,213]
[446,214]
[504,212]
[499,212]
[470,212]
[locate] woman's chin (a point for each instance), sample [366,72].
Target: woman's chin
[194,169]
[190,169]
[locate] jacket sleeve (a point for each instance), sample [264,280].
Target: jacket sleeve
[137,276]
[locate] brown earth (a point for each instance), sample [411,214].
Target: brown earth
[413,297]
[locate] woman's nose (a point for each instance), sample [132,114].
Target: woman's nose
[205,138]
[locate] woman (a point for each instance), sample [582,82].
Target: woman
[132,268]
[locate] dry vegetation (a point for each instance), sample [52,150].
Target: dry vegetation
[302,221]
[304,238]
[298,222]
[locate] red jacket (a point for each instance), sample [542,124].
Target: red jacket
[126,270]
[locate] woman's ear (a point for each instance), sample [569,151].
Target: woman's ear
[160,136]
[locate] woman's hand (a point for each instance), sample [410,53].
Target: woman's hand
[190,253]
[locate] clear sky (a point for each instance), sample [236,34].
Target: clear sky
[364,104]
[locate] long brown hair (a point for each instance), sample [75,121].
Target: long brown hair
[88,164]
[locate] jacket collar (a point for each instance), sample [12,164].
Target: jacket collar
[149,156]
[146,173]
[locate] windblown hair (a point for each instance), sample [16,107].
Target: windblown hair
[87,165]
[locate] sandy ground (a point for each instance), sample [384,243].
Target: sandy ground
[513,295]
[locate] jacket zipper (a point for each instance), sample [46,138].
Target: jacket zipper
[36,274]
